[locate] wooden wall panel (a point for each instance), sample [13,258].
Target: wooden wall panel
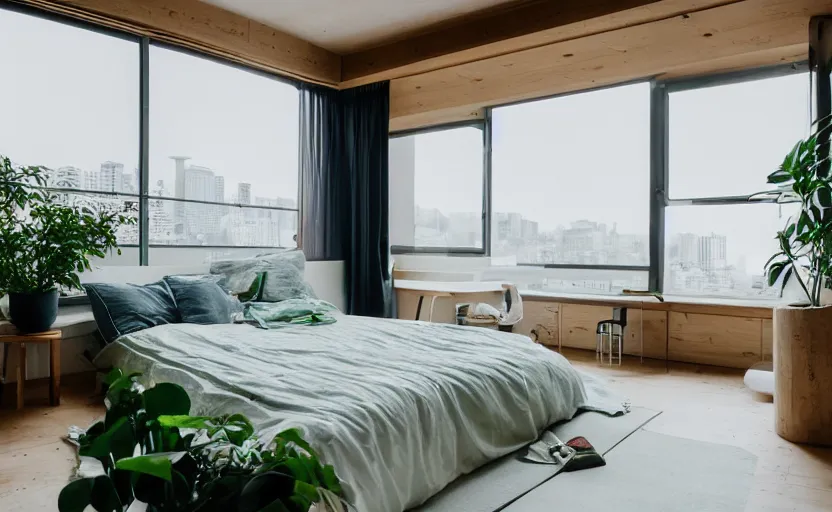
[727,32]
[767,340]
[654,329]
[717,340]
[579,323]
[204,27]
[543,318]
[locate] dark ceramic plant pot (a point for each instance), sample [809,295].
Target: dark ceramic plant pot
[33,312]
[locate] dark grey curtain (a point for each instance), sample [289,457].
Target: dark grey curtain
[344,175]
[323,204]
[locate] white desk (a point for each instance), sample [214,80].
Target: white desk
[463,291]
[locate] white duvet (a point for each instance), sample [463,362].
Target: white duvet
[399,408]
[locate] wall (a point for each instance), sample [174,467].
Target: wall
[402,183]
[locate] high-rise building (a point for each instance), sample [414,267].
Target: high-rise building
[219,189]
[713,252]
[67,177]
[688,248]
[111,177]
[244,193]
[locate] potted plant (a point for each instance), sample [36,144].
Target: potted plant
[803,332]
[45,244]
[150,455]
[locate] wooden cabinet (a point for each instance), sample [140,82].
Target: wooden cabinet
[706,336]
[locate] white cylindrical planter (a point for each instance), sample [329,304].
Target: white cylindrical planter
[803,374]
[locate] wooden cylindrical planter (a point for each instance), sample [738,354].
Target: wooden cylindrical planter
[803,374]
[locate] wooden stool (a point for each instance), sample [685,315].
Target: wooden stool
[54,340]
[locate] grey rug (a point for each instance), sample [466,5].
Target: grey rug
[498,483]
[652,472]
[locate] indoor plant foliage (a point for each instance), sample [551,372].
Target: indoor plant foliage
[802,352]
[806,240]
[45,243]
[155,457]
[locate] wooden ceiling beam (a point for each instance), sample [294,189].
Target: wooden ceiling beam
[509,29]
[204,27]
[734,36]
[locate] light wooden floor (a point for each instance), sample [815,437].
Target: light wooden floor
[699,402]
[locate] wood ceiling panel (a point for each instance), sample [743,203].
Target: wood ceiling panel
[726,34]
[508,30]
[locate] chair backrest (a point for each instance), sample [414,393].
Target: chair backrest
[620,314]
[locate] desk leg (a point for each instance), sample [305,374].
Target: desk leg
[432,302]
[55,372]
[419,307]
[21,373]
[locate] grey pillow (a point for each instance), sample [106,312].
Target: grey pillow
[199,300]
[284,282]
[124,308]
[237,275]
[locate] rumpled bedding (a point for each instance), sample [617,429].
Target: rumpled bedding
[272,315]
[399,408]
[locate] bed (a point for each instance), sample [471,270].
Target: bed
[399,408]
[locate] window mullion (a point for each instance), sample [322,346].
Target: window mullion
[144,151]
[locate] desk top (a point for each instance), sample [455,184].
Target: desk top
[449,287]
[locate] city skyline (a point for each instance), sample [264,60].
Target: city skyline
[176,222]
[695,262]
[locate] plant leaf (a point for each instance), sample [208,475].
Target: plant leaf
[118,441]
[774,271]
[166,399]
[97,492]
[184,421]
[157,464]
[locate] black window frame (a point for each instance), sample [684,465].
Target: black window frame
[660,91]
[144,196]
[660,150]
[484,125]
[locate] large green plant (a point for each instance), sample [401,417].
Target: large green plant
[806,240]
[45,243]
[152,452]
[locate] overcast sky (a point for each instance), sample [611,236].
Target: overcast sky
[70,97]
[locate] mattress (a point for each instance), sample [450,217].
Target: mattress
[399,408]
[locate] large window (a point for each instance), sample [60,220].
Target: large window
[222,145]
[224,149]
[570,188]
[436,190]
[723,140]
[69,101]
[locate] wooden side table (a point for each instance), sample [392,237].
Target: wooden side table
[53,338]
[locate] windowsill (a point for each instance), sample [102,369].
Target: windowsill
[73,321]
[756,308]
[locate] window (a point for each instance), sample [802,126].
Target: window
[223,172]
[436,191]
[571,179]
[723,140]
[223,157]
[70,103]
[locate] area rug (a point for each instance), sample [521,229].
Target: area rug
[498,483]
[651,471]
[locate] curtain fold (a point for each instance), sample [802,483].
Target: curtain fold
[321,159]
[344,176]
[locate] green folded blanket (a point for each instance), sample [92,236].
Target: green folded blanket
[270,315]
